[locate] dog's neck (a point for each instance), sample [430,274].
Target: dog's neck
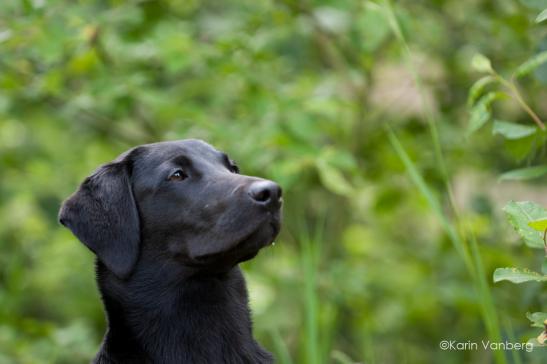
[160,313]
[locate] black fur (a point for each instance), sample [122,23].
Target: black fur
[169,222]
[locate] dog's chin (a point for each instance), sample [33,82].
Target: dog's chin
[264,236]
[243,249]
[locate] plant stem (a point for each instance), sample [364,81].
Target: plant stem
[516,94]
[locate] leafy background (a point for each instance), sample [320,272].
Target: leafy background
[326,97]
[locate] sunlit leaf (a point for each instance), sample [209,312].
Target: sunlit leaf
[542,16]
[512,130]
[481,63]
[520,214]
[539,225]
[517,275]
[524,173]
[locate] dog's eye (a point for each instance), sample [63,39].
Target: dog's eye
[234,168]
[178,175]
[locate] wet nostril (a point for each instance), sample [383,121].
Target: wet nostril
[265,192]
[262,196]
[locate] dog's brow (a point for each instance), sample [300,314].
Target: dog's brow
[182,160]
[225,158]
[228,162]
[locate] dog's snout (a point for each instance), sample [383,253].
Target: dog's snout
[266,193]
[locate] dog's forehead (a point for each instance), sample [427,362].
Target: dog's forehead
[190,148]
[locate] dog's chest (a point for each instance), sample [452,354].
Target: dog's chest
[200,325]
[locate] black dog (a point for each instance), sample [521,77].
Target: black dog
[169,223]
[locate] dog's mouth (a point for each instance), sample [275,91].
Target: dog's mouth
[255,242]
[245,248]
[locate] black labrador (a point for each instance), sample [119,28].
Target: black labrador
[169,223]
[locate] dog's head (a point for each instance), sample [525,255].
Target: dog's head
[183,200]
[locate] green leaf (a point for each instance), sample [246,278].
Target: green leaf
[544,266]
[481,63]
[539,224]
[517,275]
[531,64]
[519,215]
[523,174]
[512,130]
[542,16]
[537,318]
[480,113]
[477,89]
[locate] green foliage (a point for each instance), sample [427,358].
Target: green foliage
[530,222]
[528,219]
[520,215]
[518,275]
[481,111]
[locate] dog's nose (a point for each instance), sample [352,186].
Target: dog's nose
[266,193]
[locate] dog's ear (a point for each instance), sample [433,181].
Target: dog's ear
[103,214]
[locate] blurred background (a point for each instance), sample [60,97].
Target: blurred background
[393,212]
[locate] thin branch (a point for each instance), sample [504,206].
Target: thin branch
[514,90]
